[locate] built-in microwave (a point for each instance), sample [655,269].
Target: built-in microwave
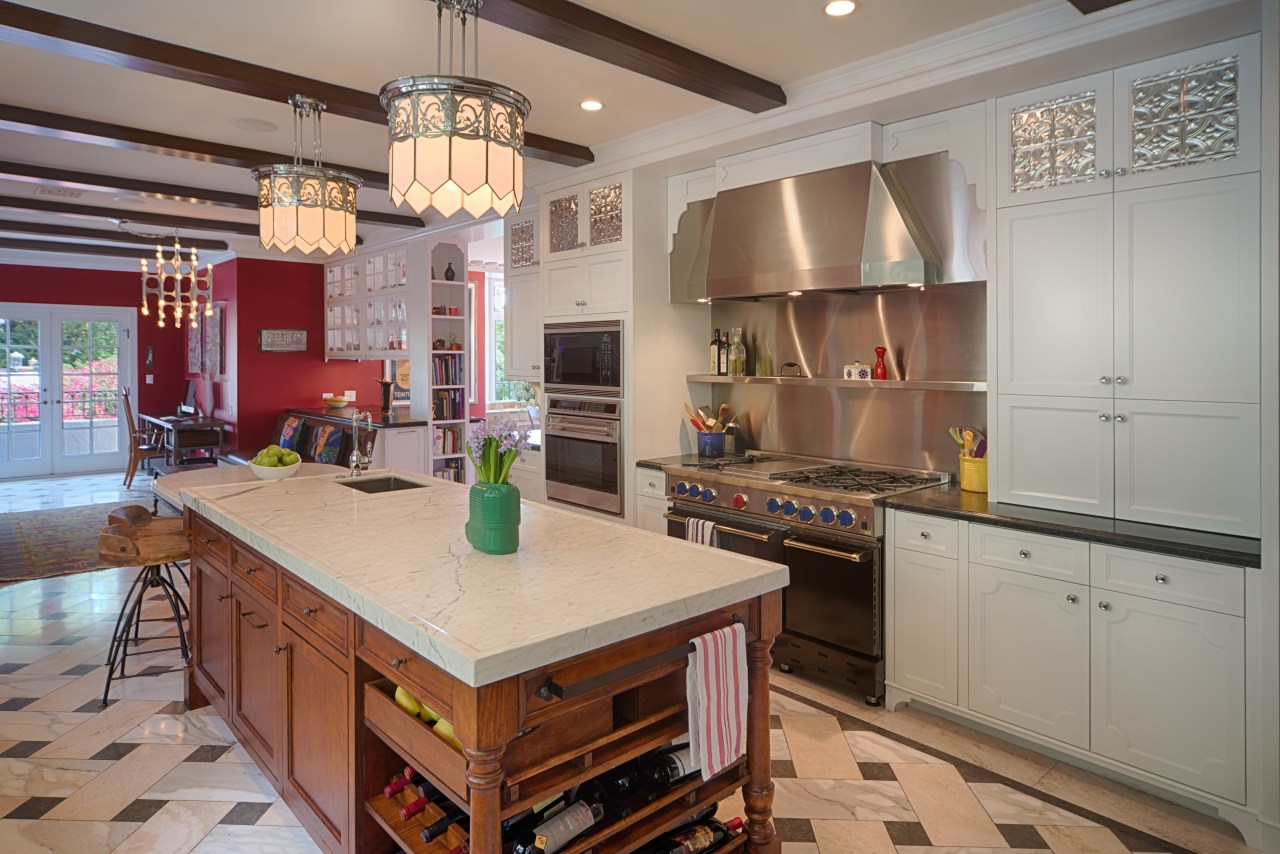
[583,358]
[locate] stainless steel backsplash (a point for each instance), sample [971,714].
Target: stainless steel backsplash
[935,334]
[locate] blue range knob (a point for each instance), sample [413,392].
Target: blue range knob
[845,518]
[806,514]
[789,507]
[773,505]
[827,515]
[708,495]
[682,488]
[694,490]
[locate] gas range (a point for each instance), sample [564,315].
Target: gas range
[792,490]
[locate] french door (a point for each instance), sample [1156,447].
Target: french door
[61,371]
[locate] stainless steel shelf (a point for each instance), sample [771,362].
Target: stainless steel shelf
[835,382]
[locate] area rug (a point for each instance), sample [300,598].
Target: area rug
[47,543]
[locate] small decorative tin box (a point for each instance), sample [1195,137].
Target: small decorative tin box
[857,371]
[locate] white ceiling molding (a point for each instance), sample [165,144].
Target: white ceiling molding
[833,99]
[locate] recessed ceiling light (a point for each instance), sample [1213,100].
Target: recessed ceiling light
[839,8]
[591,105]
[255,125]
[793,293]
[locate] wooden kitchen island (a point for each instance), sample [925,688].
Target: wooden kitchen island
[312,601]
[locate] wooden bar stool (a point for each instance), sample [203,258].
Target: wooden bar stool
[157,554]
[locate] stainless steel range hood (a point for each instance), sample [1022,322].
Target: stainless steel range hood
[911,222]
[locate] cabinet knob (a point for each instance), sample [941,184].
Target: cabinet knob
[1104,606]
[924,535]
[277,649]
[396,662]
[1073,598]
[249,570]
[308,612]
[1024,554]
[1161,578]
[204,541]
[653,485]
[1121,171]
[1104,417]
[1121,380]
[222,597]
[582,246]
[1120,419]
[1105,173]
[1104,380]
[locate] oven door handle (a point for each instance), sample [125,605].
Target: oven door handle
[858,556]
[737,532]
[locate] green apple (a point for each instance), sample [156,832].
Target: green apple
[273,450]
[268,462]
[289,458]
[444,729]
[427,713]
[406,701]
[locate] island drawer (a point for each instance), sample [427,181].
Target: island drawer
[1050,557]
[406,668]
[315,612]
[211,541]
[255,569]
[1170,579]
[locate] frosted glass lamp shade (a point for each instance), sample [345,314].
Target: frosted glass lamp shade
[307,208]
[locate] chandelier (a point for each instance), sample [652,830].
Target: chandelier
[456,142]
[177,285]
[306,207]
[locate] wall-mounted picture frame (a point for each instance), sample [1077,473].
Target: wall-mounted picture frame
[282,340]
[398,370]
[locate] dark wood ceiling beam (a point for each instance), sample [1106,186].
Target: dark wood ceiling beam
[51,230]
[70,248]
[135,216]
[23,25]
[60,126]
[588,32]
[1089,6]
[157,190]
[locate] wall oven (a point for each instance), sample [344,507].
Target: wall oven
[583,358]
[582,446]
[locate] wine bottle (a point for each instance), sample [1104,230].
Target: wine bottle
[694,838]
[400,781]
[627,781]
[558,831]
[427,794]
[722,356]
[672,765]
[452,815]
[715,353]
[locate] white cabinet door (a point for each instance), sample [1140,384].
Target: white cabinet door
[565,291]
[522,328]
[650,514]
[925,619]
[1057,453]
[521,243]
[1189,465]
[608,282]
[1054,298]
[561,222]
[405,448]
[1189,116]
[1054,142]
[1010,613]
[532,484]
[1167,691]
[1187,291]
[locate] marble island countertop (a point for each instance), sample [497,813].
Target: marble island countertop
[400,561]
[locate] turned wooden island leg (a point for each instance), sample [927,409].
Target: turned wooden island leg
[757,794]
[484,776]
[486,725]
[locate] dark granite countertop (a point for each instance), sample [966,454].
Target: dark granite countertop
[685,460]
[952,502]
[398,417]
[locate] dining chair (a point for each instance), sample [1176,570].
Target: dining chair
[145,443]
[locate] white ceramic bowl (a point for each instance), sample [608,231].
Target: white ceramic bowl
[335,402]
[275,472]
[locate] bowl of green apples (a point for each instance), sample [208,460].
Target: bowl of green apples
[275,463]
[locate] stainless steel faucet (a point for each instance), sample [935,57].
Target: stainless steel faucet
[360,462]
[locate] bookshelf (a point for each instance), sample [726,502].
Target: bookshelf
[450,359]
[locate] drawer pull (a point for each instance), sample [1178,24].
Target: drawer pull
[1073,598]
[1024,554]
[222,597]
[854,556]
[1161,578]
[245,615]
[249,570]
[277,649]
[1104,606]
[205,541]
[396,662]
[724,529]
[308,612]
[924,535]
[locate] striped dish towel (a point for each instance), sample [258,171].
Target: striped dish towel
[717,687]
[701,531]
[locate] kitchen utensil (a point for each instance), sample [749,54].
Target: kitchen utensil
[955,436]
[696,417]
[697,425]
[708,419]
[722,417]
[968,442]
[980,449]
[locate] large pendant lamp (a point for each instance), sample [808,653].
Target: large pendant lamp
[456,142]
[306,207]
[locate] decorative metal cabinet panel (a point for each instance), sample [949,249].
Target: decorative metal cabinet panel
[587,219]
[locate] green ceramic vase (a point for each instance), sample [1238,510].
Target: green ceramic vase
[494,526]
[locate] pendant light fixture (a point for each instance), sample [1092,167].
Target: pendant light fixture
[178,286]
[306,207]
[456,142]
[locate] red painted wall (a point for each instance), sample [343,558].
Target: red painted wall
[66,286]
[480,330]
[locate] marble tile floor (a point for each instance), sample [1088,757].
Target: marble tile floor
[50,493]
[146,776]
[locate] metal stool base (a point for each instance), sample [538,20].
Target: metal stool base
[130,621]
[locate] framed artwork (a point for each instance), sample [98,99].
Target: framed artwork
[398,370]
[215,351]
[195,350]
[282,340]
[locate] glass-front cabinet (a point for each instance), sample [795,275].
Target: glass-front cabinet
[366,310]
[586,219]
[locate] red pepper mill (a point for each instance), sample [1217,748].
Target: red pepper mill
[879,372]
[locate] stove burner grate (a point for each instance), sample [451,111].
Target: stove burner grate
[853,479]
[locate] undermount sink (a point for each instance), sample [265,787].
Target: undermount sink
[373,485]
